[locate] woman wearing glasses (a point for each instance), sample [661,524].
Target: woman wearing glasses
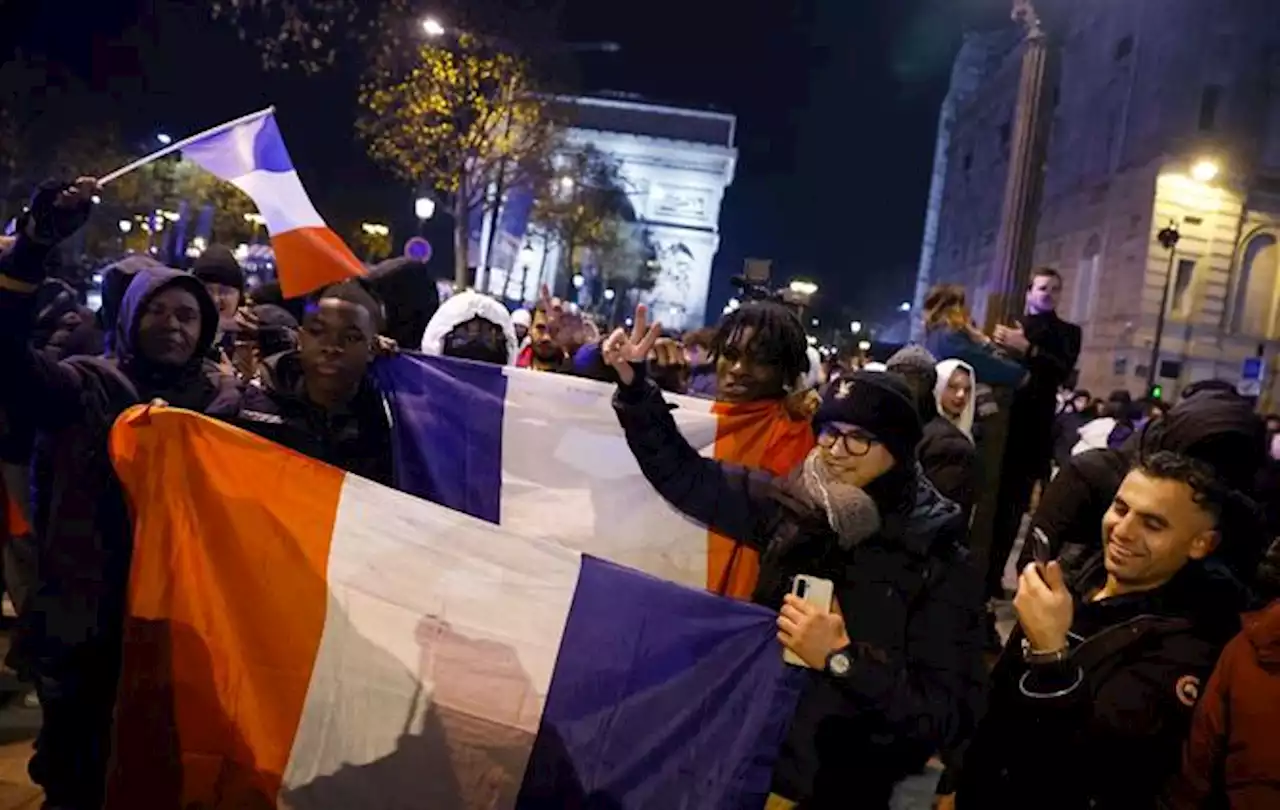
[897,664]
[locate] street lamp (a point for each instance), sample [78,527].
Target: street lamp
[424,208]
[125,226]
[1168,238]
[855,327]
[433,27]
[609,294]
[905,306]
[163,139]
[864,345]
[374,229]
[1204,171]
[804,288]
[578,281]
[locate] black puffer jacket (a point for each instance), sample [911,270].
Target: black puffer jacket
[1105,728]
[950,461]
[357,439]
[911,601]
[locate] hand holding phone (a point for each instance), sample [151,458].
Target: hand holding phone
[819,593]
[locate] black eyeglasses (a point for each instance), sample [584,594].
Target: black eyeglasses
[856,442]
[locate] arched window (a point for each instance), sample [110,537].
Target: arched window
[1254,309]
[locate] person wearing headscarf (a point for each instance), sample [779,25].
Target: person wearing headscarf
[948,448]
[895,679]
[166,325]
[472,326]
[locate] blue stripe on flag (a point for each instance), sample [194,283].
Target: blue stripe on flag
[447,430]
[253,145]
[662,697]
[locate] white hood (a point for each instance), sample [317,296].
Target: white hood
[945,369]
[461,308]
[1094,435]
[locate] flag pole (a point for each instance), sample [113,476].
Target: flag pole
[174,147]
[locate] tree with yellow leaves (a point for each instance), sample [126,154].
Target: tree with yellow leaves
[464,120]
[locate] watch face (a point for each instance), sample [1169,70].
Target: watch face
[839,664]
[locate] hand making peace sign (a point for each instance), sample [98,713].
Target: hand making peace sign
[622,352]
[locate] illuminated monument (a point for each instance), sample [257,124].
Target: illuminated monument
[677,164]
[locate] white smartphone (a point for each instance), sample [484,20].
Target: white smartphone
[816,591]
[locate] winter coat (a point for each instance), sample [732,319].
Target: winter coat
[911,601]
[80,517]
[1104,729]
[950,462]
[461,308]
[1232,756]
[992,368]
[1055,349]
[357,440]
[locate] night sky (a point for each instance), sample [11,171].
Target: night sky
[837,102]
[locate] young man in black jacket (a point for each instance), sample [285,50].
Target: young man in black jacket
[1093,696]
[897,678]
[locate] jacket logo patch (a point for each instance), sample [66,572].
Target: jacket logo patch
[1187,690]
[258,416]
[843,389]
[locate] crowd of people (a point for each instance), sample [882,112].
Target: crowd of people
[1142,665]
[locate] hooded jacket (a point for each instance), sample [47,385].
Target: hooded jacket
[461,308]
[947,452]
[80,517]
[1232,757]
[911,602]
[409,295]
[1103,729]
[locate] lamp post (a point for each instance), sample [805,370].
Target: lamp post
[1168,239]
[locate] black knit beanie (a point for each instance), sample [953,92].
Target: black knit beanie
[218,265]
[879,402]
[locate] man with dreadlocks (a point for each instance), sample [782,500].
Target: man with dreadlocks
[758,352]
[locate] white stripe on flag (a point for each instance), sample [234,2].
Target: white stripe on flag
[281,200]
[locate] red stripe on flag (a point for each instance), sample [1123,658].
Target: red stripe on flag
[227,605]
[760,435]
[309,258]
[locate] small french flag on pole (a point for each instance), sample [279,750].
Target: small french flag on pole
[250,154]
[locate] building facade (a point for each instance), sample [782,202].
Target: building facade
[676,164]
[1165,112]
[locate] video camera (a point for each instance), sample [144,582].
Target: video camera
[753,284]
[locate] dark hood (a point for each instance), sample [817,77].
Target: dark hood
[116,279]
[1217,428]
[409,296]
[146,283]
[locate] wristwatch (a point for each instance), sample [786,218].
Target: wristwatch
[1041,657]
[839,663]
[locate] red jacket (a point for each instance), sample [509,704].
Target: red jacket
[1232,756]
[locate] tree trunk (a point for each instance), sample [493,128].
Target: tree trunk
[461,231]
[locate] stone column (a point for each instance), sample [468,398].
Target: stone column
[1009,273]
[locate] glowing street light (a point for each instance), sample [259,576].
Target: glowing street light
[1204,171]
[805,288]
[864,345]
[578,281]
[375,229]
[163,139]
[855,327]
[609,294]
[433,27]
[125,226]
[424,208]
[255,219]
[905,306]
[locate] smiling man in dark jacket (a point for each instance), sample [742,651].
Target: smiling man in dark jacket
[895,680]
[73,628]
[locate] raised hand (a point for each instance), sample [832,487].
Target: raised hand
[58,210]
[622,352]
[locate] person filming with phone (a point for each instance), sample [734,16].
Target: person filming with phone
[896,660]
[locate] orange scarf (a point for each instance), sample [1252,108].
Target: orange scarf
[757,435]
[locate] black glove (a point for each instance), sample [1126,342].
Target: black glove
[51,223]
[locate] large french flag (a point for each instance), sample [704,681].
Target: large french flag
[542,456]
[250,154]
[299,637]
